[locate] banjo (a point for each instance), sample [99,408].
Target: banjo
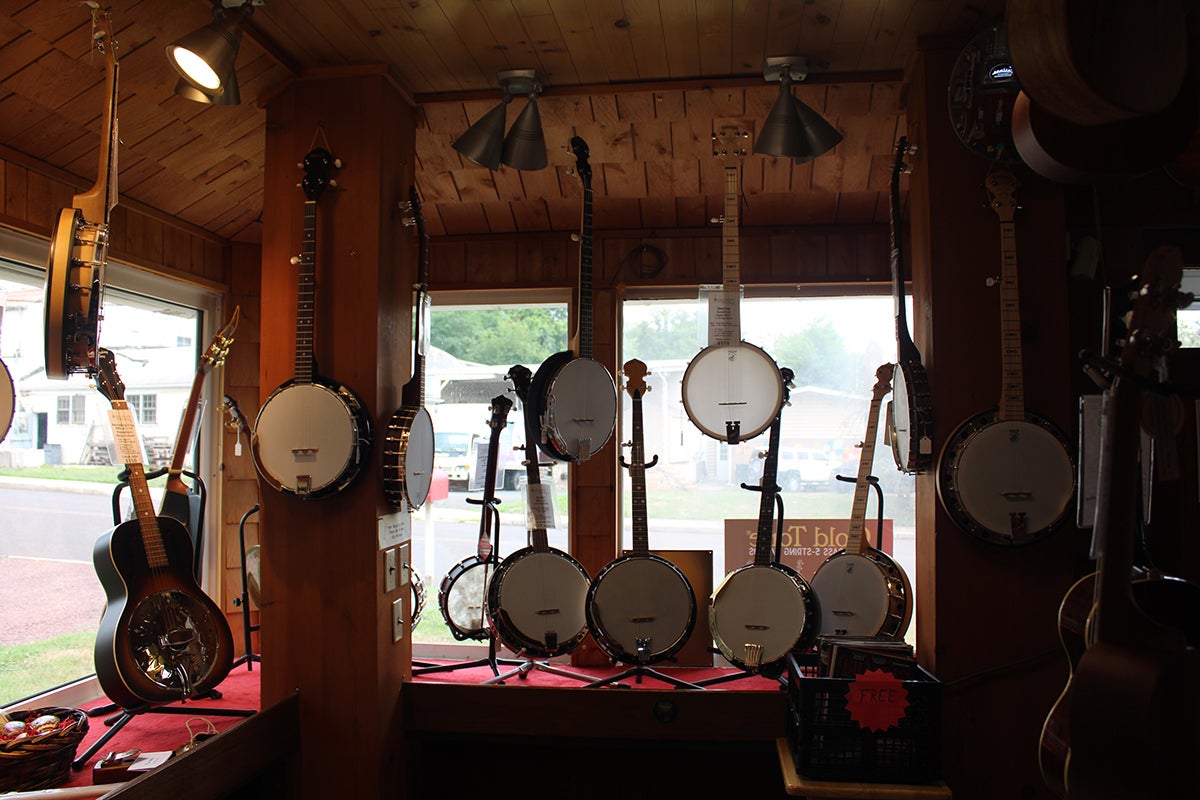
[731,389]
[641,607]
[8,394]
[408,446]
[312,436]
[862,590]
[573,399]
[910,411]
[74,289]
[1007,475]
[462,596]
[536,597]
[764,610]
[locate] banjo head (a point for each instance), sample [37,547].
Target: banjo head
[8,400]
[536,602]
[309,438]
[732,393]
[462,598]
[408,458]
[862,595]
[908,417]
[764,608]
[641,609]
[581,409]
[1009,482]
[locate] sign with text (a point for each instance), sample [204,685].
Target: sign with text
[806,542]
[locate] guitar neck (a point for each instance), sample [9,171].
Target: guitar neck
[143,506]
[637,479]
[1012,396]
[857,541]
[306,292]
[585,275]
[763,549]
[187,426]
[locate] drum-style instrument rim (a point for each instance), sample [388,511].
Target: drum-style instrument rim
[811,602]
[607,641]
[714,352]
[448,582]
[397,455]
[594,371]
[506,628]
[891,572]
[8,400]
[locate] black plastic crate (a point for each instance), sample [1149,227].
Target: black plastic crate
[829,744]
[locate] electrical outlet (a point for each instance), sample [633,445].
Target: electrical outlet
[389,570]
[397,619]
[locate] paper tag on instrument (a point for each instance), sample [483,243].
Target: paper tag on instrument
[394,529]
[423,305]
[724,315]
[125,439]
[539,507]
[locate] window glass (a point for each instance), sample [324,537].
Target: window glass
[471,350]
[834,345]
[57,471]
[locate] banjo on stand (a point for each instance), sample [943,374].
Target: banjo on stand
[536,596]
[862,590]
[79,243]
[312,436]
[910,411]
[409,444]
[462,597]
[731,389]
[641,607]
[764,610]
[1007,475]
[573,399]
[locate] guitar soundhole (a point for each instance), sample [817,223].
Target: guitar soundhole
[173,638]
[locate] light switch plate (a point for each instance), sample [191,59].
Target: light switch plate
[397,619]
[389,570]
[405,562]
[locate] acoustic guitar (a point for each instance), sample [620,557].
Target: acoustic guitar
[910,411]
[731,389]
[1007,475]
[641,607]
[312,436]
[764,610]
[861,590]
[573,398]
[409,444]
[536,597]
[74,291]
[161,637]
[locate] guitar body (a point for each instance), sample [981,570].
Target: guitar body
[1009,482]
[575,406]
[762,612]
[73,294]
[161,638]
[536,602]
[8,400]
[408,457]
[863,594]
[641,609]
[311,439]
[462,598]
[732,393]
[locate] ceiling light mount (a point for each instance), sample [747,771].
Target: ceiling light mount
[524,148]
[795,67]
[792,129]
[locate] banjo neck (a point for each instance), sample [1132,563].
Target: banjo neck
[763,551]
[582,344]
[414,390]
[728,146]
[906,349]
[498,421]
[635,372]
[539,540]
[857,541]
[96,203]
[306,296]
[1002,189]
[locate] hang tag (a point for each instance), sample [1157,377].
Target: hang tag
[539,507]
[125,439]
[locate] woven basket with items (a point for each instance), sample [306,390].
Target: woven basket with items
[38,746]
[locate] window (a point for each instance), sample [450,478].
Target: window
[60,447]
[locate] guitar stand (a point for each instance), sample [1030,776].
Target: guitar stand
[527,665]
[118,721]
[249,656]
[638,671]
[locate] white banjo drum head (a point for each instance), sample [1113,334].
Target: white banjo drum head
[581,408]
[541,595]
[304,438]
[899,417]
[853,594]
[463,598]
[737,385]
[418,459]
[641,597]
[1012,470]
[7,400]
[254,574]
[762,606]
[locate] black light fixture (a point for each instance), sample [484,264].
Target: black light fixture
[792,129]
[205,57]
[485,144]
[230,97]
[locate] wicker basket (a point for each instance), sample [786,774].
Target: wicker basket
[42,762]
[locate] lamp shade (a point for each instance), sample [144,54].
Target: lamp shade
[483,142]
[525,145]
[819,134]
[782,132]
[230,97]
[205,57]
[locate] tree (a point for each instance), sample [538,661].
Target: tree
[664,333]
[518,335]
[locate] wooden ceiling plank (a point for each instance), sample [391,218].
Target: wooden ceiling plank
[891,18]
[714,21]
[505,26]
[565,215]
[747,35]
[611,143]
[856,208]
[784,30]
[53,78]
[619,212]
[499,217]
[636,108]
[581,40]
[777,175]
[20,53]
[475,185]
[394,40]
[683,45]
[614,30]
[446,118]
[625,179]
[847,99]
[652,141]
[658,211]
[435,153]
[541,28]
[851,30]
[438,187]
[548,184]
[816,32]
[670,106]
[533,215]
[691,212]
[463,70]
[472,26]
[509,184]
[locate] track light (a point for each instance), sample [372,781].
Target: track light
[230,97]
[205,57]
[792,129]
[485,144]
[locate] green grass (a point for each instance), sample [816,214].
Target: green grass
[29,669]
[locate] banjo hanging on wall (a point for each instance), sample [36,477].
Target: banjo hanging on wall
[312,435]
[79,243]
[731,389]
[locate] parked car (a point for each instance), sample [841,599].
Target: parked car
[804,468]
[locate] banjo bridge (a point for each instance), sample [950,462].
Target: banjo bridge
[548,612]
[1018,497]
[304,453]
[643,620]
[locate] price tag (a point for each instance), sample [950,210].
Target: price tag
[539,507]
[724,320]
[125,438]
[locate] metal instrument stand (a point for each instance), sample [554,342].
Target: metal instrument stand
[248,657]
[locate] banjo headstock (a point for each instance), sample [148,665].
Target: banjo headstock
[730,143]
[318,165]
[635,378]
